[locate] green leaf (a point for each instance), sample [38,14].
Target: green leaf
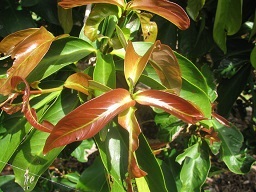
[97,15]
[71,3]
[104,71]
[194,7]
[114,155]
[195,168]
[85,149]
[232,140]
[194,86]
[29,161]
[253,56]
[148,162]
[65,19]
[94,178]
[227,21]
[61,53]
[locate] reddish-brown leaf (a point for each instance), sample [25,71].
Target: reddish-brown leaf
[128,121]
[134,64]
[170,103]
[221,119]
[76,3]
[79,82]
[164,61]
[29,112]
[10,41]
[27,54]
[169,10]
[88,119]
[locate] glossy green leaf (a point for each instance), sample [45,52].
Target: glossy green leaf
[194,86]
[194,7]
[148,162]
[104,71]
[85,149]
[89,118]
[170,103]
[29,161]
[164,61]
[98,182]
[231,143]
[169,10]
[75,3]
[27,54]
[195,168]
[227,21]
[253,57]
[62,52]
[114,155]
[149,28]
[97,15]
[65,19]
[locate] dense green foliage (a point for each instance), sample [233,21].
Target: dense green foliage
[145,86]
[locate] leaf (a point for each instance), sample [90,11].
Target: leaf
[232,140]
[104,71]
[27,54]
[75,3]
[29,156]
[128,121]
[194,7]
[195,168]
[149,28]
[253,55]
[148,162]
[88,119]
[253,31]
[65,19]
[62,52]
[134,64]
[97,15]
[170,103]
[79,82]
[96,183]
[166,66]
[227,21]
[169,10]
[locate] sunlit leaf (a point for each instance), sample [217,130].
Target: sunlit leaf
[227,21]
[169,10]
[88,119]
[134,64]
[9,42]
[97,15]
[166,66]
[170,103]
[75,3]
[149,28]
[27,55]
[128,121]
[79,82]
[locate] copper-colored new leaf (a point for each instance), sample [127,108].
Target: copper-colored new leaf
[10,41]
[128,121]
[221,119]
[165,63]
[170,103]
[29,112]
[134,64]
[79,82]
[76,3]
[169,10]
[88,119]
[27,54]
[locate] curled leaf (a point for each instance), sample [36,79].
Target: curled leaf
[88,119]
[170,103]
[29,112]
[168,10]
